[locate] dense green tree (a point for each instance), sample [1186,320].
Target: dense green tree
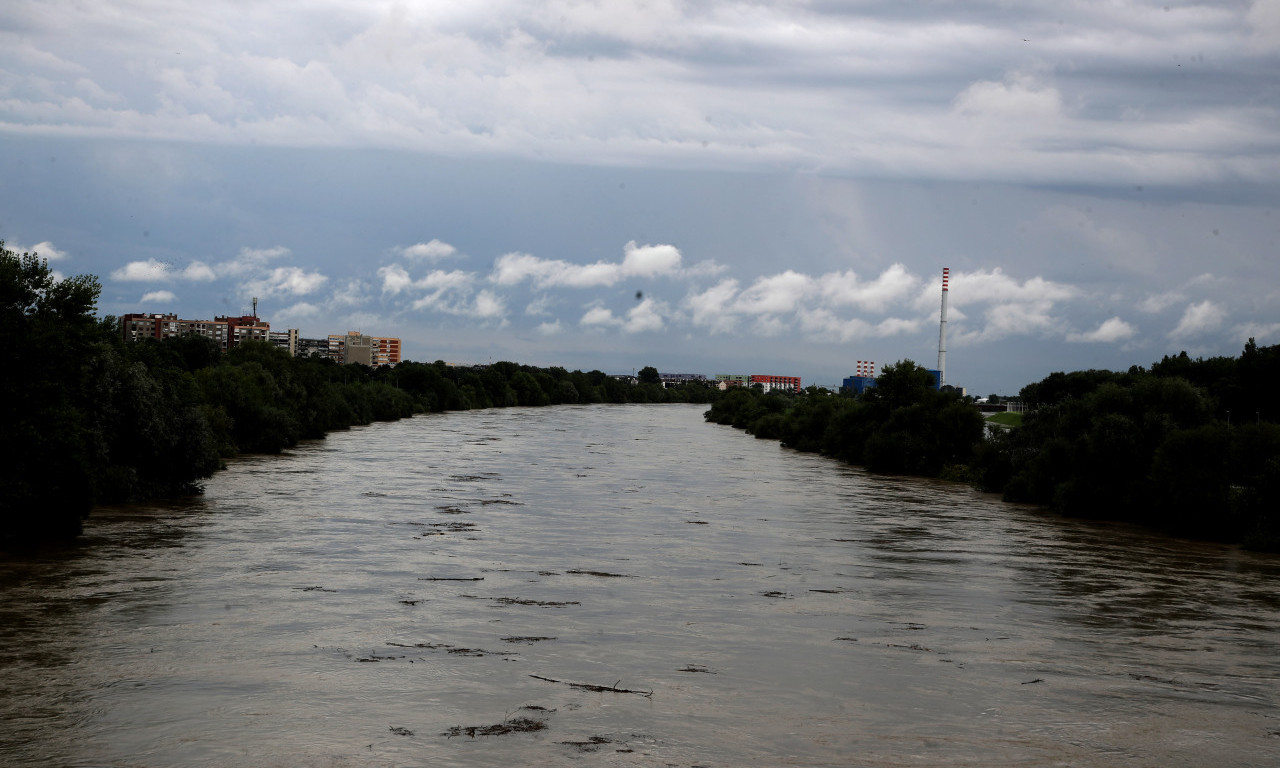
[903,425]
[1158,447]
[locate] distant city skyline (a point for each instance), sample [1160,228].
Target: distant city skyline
[708,188]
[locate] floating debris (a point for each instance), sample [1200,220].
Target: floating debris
[1030,682]
[590,745]
[457,651]
[1152,679]
[526,640]
[314,589]
[522,601]
[452,525]
[595,688]
[375,657]
[450,578]
[449,510]
[696,668]
[473,478]
[517,725]
[601,574]
[779,595]
[397,730]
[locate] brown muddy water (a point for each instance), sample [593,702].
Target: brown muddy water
[625,585]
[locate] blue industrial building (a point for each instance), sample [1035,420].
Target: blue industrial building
[856,385]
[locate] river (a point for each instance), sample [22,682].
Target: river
[624,585]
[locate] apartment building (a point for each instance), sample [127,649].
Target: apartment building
[356,347]
[767,382]
[228,332]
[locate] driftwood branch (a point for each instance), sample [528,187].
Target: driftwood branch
[595,688]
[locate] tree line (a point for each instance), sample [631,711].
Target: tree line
[1191,447]
[1188,446]
[903,425]
[89,419]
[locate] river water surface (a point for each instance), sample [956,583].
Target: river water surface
[375,598]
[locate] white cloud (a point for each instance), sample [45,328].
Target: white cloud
[251,261]
[300,311]
[292,281]
[1264,19]
[846,289]
[819,306]
[442,291]
[44,250]
[352,292]
[993,285]
[898,326]
[487,306]
[148,271]
[1199,319]
[395,279]
[198,271]
[540,306]
[649,260]
[429,251]
[550,329]
[776,294]
[712,309]
[598,316]
[1002,320]
[1020,97]
[1263,333]
[1161,301]
[638,261]
[159,297]
[645,316]
[1110,331]
[153,270]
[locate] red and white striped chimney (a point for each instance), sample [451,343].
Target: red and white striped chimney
[942,330]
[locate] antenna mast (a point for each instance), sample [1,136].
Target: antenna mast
[942,331]
[255,305]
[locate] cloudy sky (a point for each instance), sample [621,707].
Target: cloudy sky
[708,187]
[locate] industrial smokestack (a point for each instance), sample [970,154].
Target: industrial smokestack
[942,331]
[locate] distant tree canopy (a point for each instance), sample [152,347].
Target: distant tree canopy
[1191,446]
[88,419]
[902,425]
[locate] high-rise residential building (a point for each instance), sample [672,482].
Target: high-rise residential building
[356,347]
[386,350]
[286,340]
